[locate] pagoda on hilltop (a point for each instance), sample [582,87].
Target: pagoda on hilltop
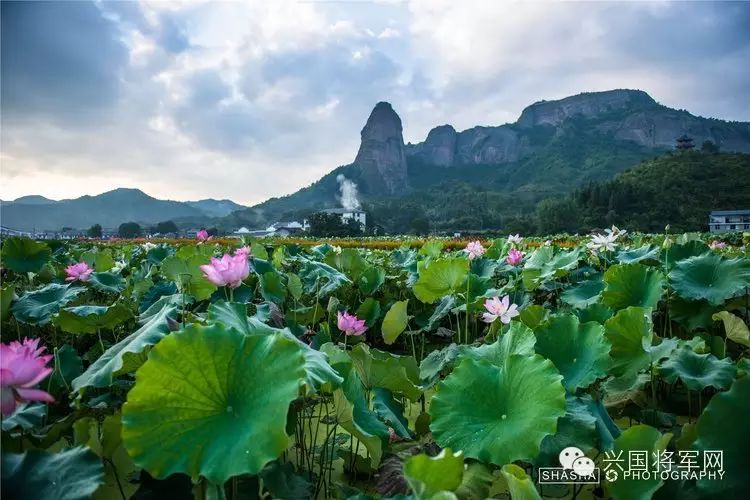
[685,143]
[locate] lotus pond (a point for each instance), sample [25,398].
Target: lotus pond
[267,369]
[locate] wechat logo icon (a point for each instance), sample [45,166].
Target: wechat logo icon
[572,458]
[575,468]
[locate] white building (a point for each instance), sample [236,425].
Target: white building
[723,221]
[346,214]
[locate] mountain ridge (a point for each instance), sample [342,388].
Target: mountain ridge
[554,147]
[108,209]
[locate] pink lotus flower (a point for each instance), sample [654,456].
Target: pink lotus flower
[502,309]
[514,257]
[202,235]
[474,249]
[243,251]
[80,272]
[21,368]
[229,270]
[717,245]
[350,324]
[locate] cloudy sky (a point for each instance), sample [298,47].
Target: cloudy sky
[247,100]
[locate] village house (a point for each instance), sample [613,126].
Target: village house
[722,221]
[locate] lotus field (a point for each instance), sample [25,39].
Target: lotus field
[269,369]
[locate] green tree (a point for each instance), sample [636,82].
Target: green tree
[129,230]
[557,215]
[709,147]
[95,231]
[166,227]
[325,224]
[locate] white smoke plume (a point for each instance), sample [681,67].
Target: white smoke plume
[349,197]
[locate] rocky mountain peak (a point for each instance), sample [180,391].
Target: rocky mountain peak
[381,156]
[587,105]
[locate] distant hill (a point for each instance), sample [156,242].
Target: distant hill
[109,209]
[215,208]
[33,199]
[554,147]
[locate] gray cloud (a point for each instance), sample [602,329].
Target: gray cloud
[257,99]
[62,60]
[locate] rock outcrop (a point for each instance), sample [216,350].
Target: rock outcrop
[624,115]
[381,157]
[586,105]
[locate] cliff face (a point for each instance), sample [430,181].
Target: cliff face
[623,115]
[381,157]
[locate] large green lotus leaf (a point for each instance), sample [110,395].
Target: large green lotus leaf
[349,261]
[321,279]
[437,361]
[662,348]
[710,277]
[72,474]
[484,268]
[639,438]
[24,255]
[520,485]
[476,482]
[519,339]
[432,248]
[620,391]
[90,319]
[440,278]
[647,253]
[186,273]
[698,371]
[376,368]
[212,402]
[26,416]
[443,308]
[233,315]
[155,292]
[683,251]
[294,285]
[395,321]
[371,280]
[99,259]
[723,426]
[158,254]
[498,414]
[352,411]
[576,428]
[363,424]
[7,294]
[428,475]
[692,314]
[38,307]
[583,294]
[632,285]
[369,310]
[630,333]
[390,411]
[579,351]
[595,312]
[533,315]
[736,330]
[129,353]
[546,264]
[107,282]
[271,287]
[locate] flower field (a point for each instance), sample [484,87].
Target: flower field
[426,369]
